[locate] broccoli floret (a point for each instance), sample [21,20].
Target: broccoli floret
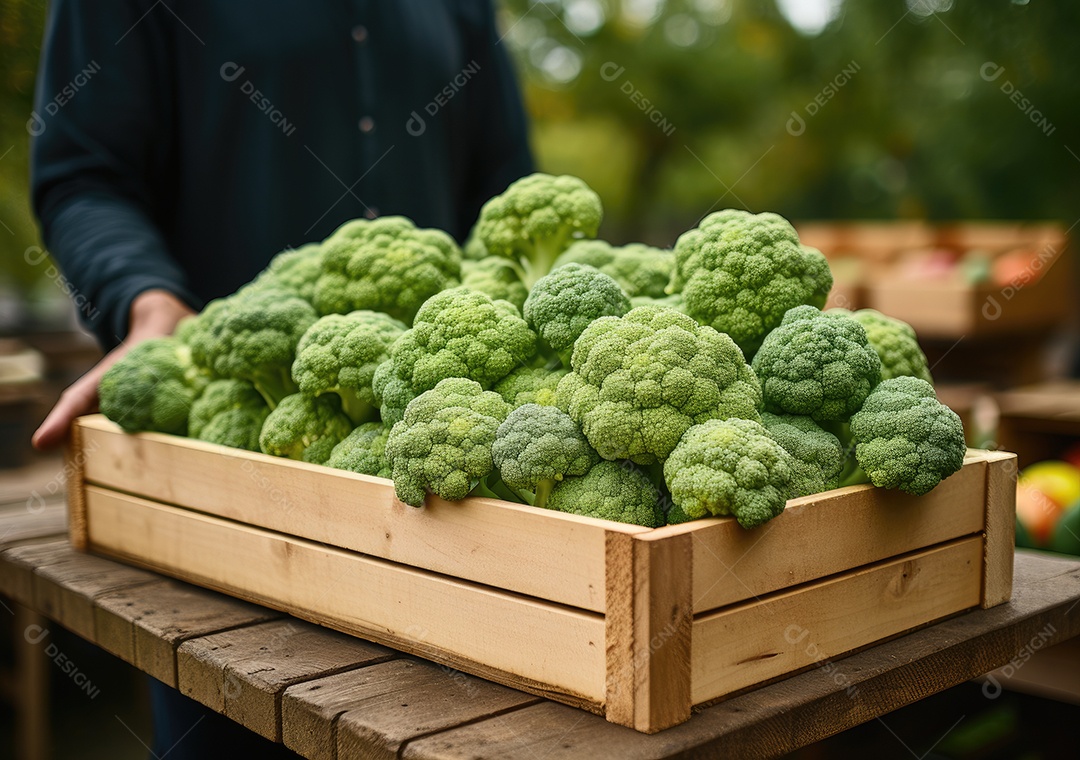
[152,387]
[562,304]
[730,467]
[363,451]
[443,443]
[677,516]
[610,491]
[537,446]
[230,413]
[295,270]
[530,385]
[905,438]
[536,218]
[386,265]
[819,456]
[817,364]
[639,381]
[392,394]
[674,301]
[474,249]
[461,333]
[305,427]
[896,345]
[339,354]
[740,272]
[495,276]
[641,270]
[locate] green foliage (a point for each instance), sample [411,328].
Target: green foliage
[530,385]
[305,427]
[229,413]
[640,269]
[610,491]
[495,276]
[363,451]
[563,303]
[818,455]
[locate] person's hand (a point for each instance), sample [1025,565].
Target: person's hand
[154,313]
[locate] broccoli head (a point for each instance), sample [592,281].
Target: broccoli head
[530,385]
[562,304]
[229,413]
[495,276]
[363,451]
[730,467]
[817,364]
[339,354]
[391,393]
[674,301]
[152,387]
[896,345]
[385,264]
[905,438]
[295,270]
[615,491]
[641,270]
[443,443]
[740,272]
[819,457]
[640,380]
[305,427]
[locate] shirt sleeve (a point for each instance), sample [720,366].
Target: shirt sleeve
[102,155]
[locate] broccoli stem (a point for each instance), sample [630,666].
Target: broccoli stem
[274,384]
[852,474]
[493,487]
[543,491]
[544,253]
[357,409]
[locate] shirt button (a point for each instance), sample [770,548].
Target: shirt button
[367,125]
[359,33]
[371,212]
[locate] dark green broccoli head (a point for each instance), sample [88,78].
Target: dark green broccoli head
[152,387]
[896,345]
[615,491]
[229,413]
[363,451]
[562,304]
[305,427]
[497,277]
[905,438]
[641,270]
[443,443]
[386,265]
[295,270]
[639,381]
[530,385]
[817,364]
[461,333]
[740,272]
[819,457]
[730,467]
[339,354]
[676,516]
[392,394]
[536,446]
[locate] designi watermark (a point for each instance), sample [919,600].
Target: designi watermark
[35,634]
[416,125]
[796,125]
[612,71]
[231,71]
[35,256]
[36,124]
[991,72]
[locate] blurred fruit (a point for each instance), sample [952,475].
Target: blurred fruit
[1037,512]
[1019,266]
[1072,455]
[1066,537]
[1023,538]
[1058,480]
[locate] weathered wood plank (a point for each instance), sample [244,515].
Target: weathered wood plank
[1000,528]
[17,565]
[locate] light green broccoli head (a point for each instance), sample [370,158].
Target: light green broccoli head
[817,364]
[442,445]
[497,277]
[896,345]
[295,270]
[305,427]
[615,491]
[730,467]
[363,451]
[674,301]
[819,457]
[639,381]
[474,249]
[562,304]
[537,446]
[229,413]
[462,333]
[905,438]
[386,265]
[392,394]
[152,387]
[339,354]
[740,272]
[641,270]
[530,385]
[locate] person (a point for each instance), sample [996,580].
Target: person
[177,146]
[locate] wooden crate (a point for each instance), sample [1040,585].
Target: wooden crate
[639,625]
[1039,421]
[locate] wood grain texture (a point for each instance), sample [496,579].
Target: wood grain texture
[75,455]
[1000,528]
[17,565]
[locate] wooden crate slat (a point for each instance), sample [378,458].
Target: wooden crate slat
[1000,528]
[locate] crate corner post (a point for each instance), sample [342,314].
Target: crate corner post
[74,466]
[999,534]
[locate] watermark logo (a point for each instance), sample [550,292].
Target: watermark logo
[796,125]
[36,502]
[35,634]
[992,309]
[796,634]
[36,256]
[611,72]
[273,493]
[232,72]
[416,125]
[36,124]
[992,72]
[992,687]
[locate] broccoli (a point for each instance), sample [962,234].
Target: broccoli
[152,387]
[536,218]
[639,381]
[496,277]
[819,456]
[537,446]
[530,385]
[610,491]
[674,301]
[677,516]
[641,270]
[295,270]
[339,354]
[391,393]
[387,265]
[562,304]
[473,249]
[895,344]
[305,427]
[229,413]
[817,364]
[730,467]
[905,438]
[740,272]
[443,443]
[363,451]
[461,333]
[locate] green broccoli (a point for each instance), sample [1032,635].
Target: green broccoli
[363,451]
[339,354]
[677,516]
[152,387]
[730,467]
[443,443]
[461,333]
[817,364]
[740,272]
[536,218]
[229,413]
[473,249]
[305,427]
[391,393]
[641,270]
[905,438]
[615,491]
[895,343]
[819,456]
[674,301]
[530,385]
[295,270]
[495,276]
[537,446]
[562,304]
[639,381]
[387,265]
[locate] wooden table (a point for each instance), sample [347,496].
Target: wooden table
[328,695]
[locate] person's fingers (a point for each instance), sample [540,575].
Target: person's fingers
[81,398]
